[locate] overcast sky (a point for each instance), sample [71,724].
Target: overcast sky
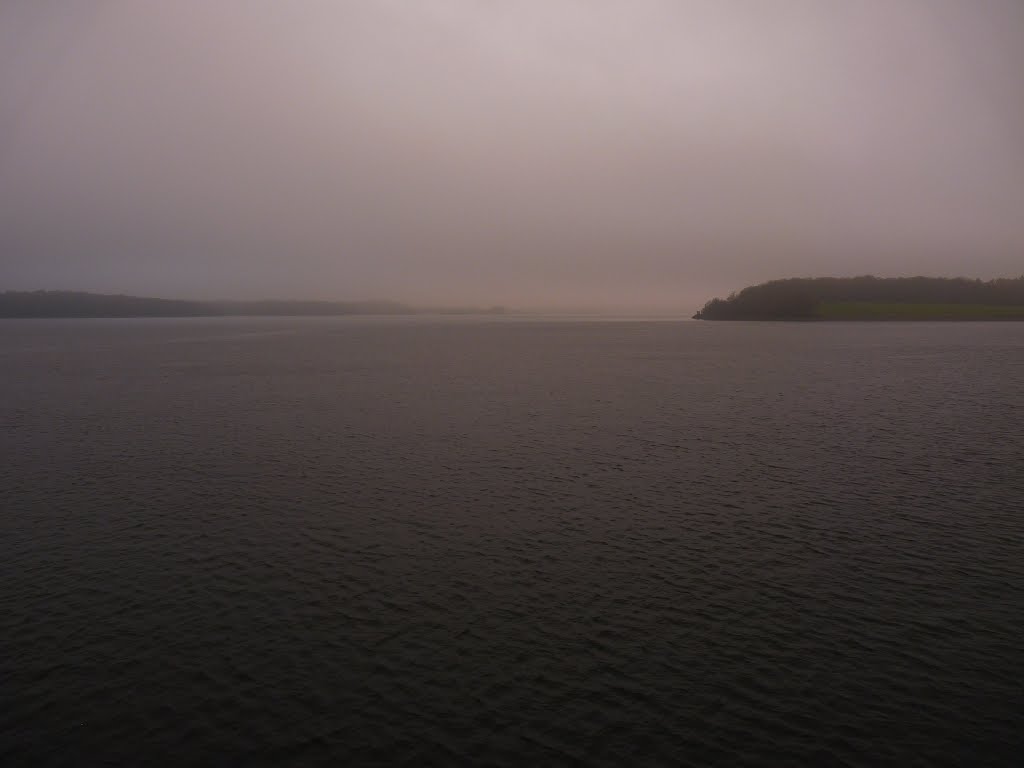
[578,153]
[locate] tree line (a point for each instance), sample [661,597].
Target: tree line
[800,297]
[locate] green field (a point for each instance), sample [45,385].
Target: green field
[869,310]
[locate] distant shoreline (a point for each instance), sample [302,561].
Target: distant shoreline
[873,299]
[79,304]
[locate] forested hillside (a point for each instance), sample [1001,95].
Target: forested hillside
[872,298]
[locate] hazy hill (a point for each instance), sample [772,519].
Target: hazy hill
[80,304]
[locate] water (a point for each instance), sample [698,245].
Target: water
[510,542]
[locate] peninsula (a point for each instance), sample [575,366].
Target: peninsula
[872,298]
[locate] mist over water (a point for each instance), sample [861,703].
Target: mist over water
[642,155]
[516,539]
[508,541]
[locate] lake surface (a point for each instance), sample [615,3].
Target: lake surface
[298,542]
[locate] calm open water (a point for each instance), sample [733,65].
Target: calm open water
[297,542]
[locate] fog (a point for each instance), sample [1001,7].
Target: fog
[629,155]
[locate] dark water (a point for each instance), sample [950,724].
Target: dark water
[330,542]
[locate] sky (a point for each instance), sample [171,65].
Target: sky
[550,154]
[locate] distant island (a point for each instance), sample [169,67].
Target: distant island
[54,304]
[872,298]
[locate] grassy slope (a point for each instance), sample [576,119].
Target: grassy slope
[867,310]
